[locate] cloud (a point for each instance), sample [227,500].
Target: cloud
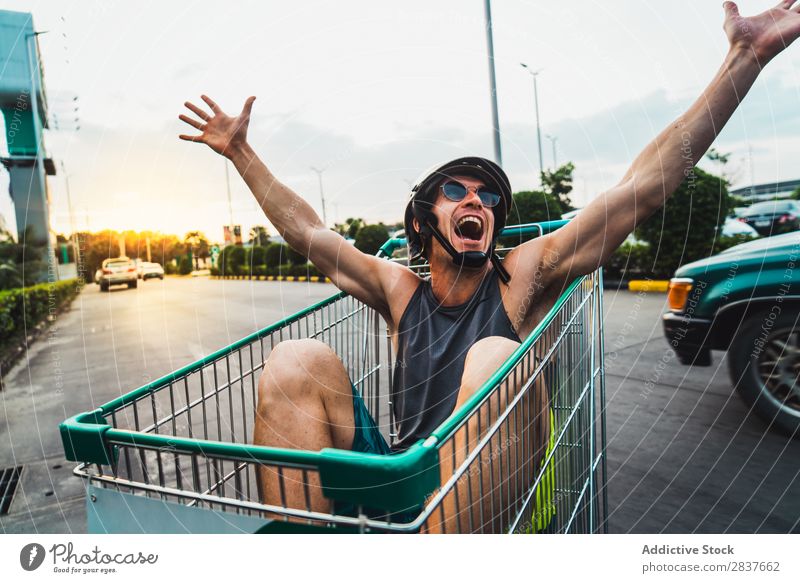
[186,181]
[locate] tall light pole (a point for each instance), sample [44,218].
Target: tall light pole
[230,200]
[553,140]
[535,74]
[75,246]
[498,155]
[321,194]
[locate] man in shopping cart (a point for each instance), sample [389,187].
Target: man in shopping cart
[452,330]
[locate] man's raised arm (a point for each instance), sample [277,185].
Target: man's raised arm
[588,240]
[361,275]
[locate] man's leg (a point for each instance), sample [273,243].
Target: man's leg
[486,496]
[305,401]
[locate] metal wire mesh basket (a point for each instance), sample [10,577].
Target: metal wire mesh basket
[176,455]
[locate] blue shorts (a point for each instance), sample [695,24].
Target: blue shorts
[367,437]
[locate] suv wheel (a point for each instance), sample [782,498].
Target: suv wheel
[133,284]
[764,364]
[103,286]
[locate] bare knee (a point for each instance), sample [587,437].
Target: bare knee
[295,369]
[483,359]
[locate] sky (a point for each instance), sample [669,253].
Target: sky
[374,93]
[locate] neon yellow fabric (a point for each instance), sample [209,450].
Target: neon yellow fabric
[544,507]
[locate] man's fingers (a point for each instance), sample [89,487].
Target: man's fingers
[211,103]
[786,4]
[197,111]
[191,138]
[192,122]
[731,9]
[248,105]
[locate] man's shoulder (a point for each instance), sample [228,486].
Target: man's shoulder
[524,260]
[402,284]
[532,266]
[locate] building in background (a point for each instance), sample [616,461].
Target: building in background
[24,105]
[767,191]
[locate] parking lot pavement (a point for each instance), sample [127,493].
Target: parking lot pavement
[106,345]
[683,454]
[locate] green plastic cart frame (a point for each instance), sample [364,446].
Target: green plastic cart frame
[175,455]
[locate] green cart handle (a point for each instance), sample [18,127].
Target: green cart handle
[392,245]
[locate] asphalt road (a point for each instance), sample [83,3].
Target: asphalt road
[683,455]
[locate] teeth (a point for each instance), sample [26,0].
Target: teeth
[470,219]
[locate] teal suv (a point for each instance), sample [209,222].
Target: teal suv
[745,300]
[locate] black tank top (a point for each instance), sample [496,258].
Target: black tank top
[433,342]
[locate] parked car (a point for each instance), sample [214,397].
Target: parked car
[773,217]
[139,267]
[746,301]
[151,270]
[732,227]
[119,270]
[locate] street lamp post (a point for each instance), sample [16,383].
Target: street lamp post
[230,200]
[321,193]
[553,140]
[498,155]
[75,246]
[535,74]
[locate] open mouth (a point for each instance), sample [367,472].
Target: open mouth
[470,228]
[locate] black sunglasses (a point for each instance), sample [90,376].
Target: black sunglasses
[456,192]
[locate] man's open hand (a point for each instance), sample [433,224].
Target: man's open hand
[219,131]
[766,34]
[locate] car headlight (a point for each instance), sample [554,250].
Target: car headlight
[678,293]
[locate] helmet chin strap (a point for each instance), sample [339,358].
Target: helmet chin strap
[467,258]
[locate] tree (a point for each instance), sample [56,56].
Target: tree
[257,256]
[275,254]
[716,156]
[370,238]
[558,182]
[685,229]
[796,194]
[9,272]
[533,206]
[349,228]
[185,265]
[295,257]
[9,275]
[198,245]
[232,259]
[259,235]
[721,160]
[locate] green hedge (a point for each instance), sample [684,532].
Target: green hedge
[630,261]
[24,308]
[308,270]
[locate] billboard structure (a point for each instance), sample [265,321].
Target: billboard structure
[24,105]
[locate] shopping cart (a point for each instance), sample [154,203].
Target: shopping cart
[175,455]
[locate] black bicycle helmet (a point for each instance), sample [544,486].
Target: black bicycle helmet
[423,196]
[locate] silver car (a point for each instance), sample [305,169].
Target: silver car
[149,270]
[118,271]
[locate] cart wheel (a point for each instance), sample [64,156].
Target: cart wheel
[764,364]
